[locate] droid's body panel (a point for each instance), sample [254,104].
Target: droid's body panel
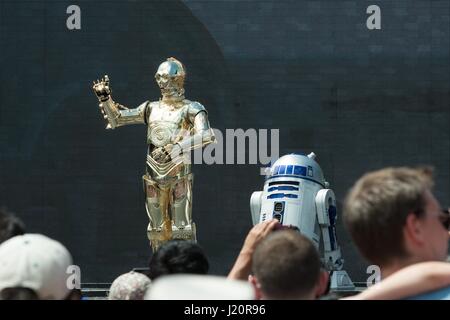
[286,198]
[170,124]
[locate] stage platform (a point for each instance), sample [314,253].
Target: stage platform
[99,291]
[95,291]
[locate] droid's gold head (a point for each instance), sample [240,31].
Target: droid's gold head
[170,79]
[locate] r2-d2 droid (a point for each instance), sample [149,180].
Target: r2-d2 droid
[295,193]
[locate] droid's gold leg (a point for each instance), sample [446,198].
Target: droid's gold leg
[181,209]
[157,206]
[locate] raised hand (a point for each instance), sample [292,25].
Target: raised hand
[242,267]
[102,89]
[166,153]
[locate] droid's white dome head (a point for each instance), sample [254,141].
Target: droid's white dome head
[300,166]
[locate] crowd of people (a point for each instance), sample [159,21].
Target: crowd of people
[391,214]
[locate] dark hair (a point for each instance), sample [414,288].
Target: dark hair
[376,208]
[178,256]
[74,294]
[286,265]
[18,293]
[10,225]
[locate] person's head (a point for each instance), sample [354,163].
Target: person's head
[18,293]
[129,286]
[34,266]
[286,265]
[199,287]
[178,256]
[170,79]
[10,225]
[394,219]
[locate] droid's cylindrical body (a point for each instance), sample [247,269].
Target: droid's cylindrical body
[289,194]
[296,193]
[290,191]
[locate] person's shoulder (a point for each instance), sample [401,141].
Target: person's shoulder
[441,294]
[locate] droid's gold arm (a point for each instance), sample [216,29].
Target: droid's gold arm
[118,115]
[203,134]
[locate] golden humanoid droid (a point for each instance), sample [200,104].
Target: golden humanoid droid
[175,126]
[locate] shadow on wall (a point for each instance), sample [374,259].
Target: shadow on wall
[61,170]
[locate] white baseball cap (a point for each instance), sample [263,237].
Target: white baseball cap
[129,286]
[199,287]
[36,262]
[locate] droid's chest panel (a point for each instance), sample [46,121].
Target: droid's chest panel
[167,125]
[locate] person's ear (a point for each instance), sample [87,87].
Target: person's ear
[256,286]
[322,283]
[413,230]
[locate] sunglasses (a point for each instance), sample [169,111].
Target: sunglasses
[445,218]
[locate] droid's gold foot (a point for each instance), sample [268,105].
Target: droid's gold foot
[186,232]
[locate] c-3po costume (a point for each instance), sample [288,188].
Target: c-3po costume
[175,126]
